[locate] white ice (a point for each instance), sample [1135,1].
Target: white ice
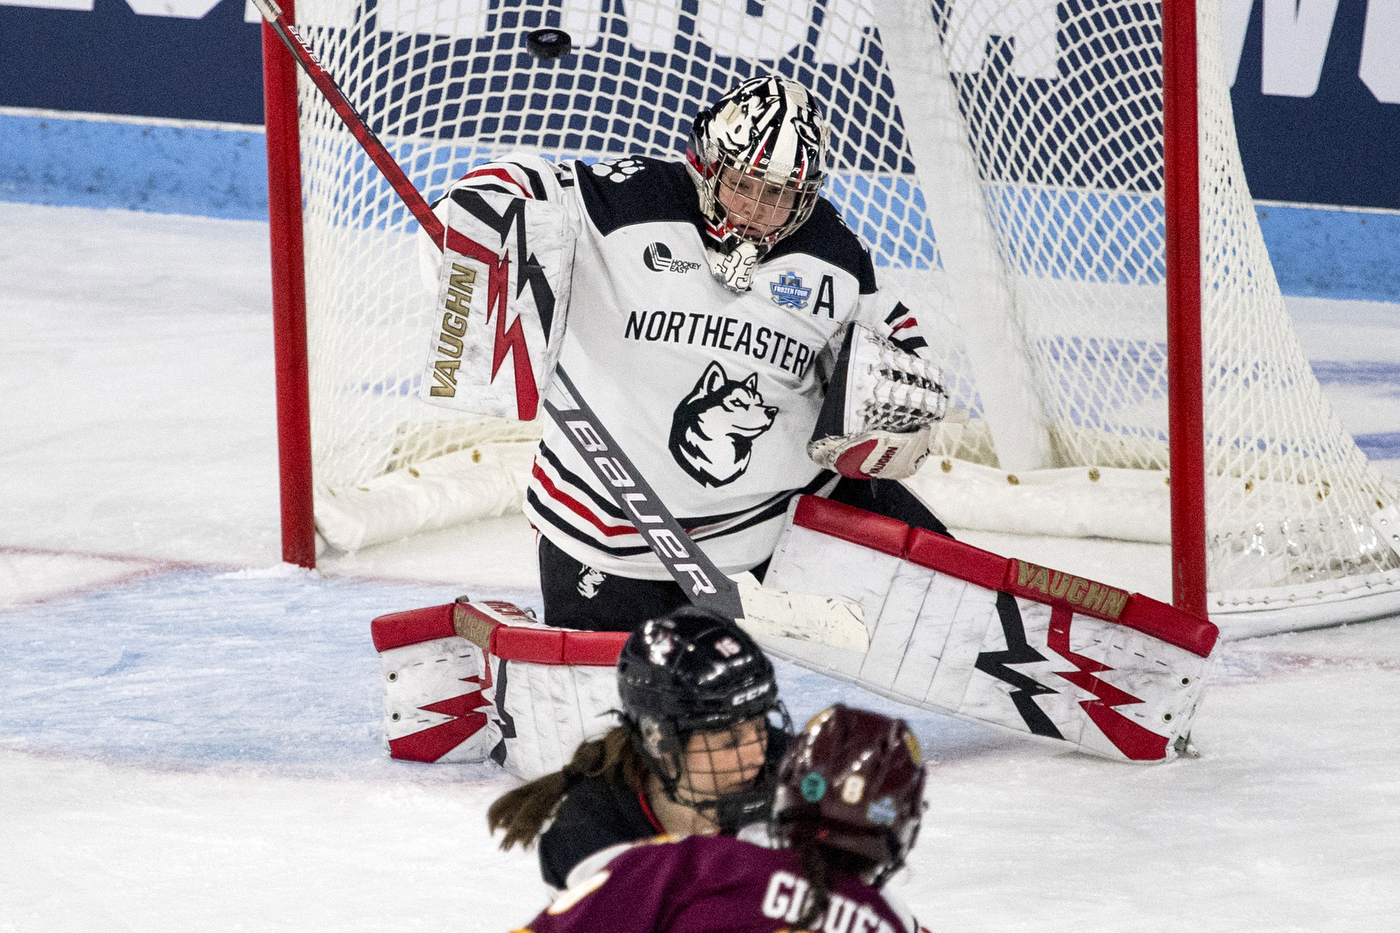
[190,731]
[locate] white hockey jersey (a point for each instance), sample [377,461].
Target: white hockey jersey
[713,395]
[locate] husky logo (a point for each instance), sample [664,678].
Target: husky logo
[713,429]
[788,291]
[589,580]
[657,258]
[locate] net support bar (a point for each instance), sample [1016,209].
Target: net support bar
[1186,411]
[288,299]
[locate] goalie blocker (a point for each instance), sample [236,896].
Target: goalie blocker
[503,290]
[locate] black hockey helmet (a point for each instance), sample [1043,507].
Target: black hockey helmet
[852,780]
[694,672]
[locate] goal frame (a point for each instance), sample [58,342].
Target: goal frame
[284,217]
[1184,358]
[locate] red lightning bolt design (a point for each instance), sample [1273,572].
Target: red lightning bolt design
[1134,741]
[432,743]
[508,339]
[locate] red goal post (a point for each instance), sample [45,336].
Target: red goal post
[288,298]
[1186,413]
[1064,206]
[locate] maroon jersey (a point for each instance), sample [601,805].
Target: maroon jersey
[712,884]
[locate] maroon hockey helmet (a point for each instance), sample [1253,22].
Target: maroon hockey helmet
[769,134]
[852,780]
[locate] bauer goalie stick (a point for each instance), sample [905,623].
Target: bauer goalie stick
[766,612]
[763,612]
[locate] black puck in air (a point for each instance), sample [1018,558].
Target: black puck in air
[548,44]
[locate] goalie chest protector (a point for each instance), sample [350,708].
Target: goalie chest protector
[712,394]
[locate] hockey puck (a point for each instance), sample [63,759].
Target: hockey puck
[548,44]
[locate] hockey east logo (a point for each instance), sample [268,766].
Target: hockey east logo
[657,258]
[714,427]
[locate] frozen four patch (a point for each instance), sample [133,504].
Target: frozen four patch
[788,291]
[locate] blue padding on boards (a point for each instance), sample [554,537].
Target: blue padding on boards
[1331,253]
[204,171]
[222,172]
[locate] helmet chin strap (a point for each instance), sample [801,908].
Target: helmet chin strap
[734,268]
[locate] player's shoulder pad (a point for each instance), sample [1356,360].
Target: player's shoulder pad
[636,190]
[826,236]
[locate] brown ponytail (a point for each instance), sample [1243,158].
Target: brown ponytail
[817,873]
[523,812]
[818,862]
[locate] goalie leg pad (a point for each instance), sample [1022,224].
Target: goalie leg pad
[544,711]
[960,630]
[470,681]
[434,709]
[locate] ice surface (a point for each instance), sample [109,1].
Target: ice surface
[189,730]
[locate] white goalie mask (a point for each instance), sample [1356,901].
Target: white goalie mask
[758,160]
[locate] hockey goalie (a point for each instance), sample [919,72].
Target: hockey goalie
[719,317]
[727,327]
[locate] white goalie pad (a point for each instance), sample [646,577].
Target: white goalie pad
[503,294]
[433,704]
[960,630]
[475,680]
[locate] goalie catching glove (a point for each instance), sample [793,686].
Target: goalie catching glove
[881,407]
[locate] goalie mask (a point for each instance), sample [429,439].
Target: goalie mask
[852,781]
[701,702]
[758,158]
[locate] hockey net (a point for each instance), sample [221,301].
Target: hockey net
[1003,161]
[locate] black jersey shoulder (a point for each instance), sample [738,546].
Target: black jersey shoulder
[826,236]
[594,814]
[637,190]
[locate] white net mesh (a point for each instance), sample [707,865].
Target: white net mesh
[1007,178]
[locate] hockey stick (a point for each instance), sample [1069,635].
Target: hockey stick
[762,611]
[378,154]
[689,566]
[767,612]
